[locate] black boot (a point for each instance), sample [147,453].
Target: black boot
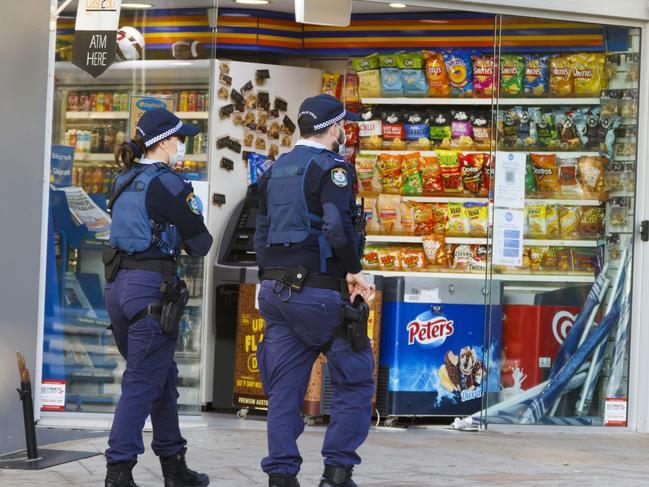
[119,474]
[337,477]
[279,480]
[176,473]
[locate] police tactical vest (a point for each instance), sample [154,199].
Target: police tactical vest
[289,220]
[132,230]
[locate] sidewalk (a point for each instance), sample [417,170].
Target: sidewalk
[229,450]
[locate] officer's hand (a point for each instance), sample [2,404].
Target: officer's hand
[357,284]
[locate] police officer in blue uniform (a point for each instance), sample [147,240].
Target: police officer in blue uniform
[154,216]
[308,251]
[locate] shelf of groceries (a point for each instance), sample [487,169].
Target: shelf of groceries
[482,241]
[93,115]
[573,278]
[110,157]
[482,101]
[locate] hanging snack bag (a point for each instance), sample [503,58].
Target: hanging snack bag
[387,207]
[546,173]
[591,222]
[391,80]
[479,257]
[553,228]
[412,183]
[481,122]
[537,76]
[478,215]
[530,179]
[537,221]
[462,256]
[435,250]
[546,130]
[568,175]
[332,84]
[537,255]
[510,128]
[416,125]
[350,90]
[369,75]
[460,72]
[590,173]
[569,222]
[527,134]
[439,86]
[413,259]
[451,171]
[561,83]
[431,174]
[484,76]
[440,218]
[461,130]
[568,133]
[407,211]
[366,174]
[389,258]
[588,73]
[422,218]
[512,72]
[586,261]
[371,217]
[472,171]
[393,128]
[370,258]
[370,134]
[440,128]
[412,73]
[389,170]
[458,220]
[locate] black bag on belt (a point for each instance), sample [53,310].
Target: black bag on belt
[112,259]
[174,299]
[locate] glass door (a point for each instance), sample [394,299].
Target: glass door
[562,222]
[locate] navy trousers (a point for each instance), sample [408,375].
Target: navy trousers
[150,381]
[296,328]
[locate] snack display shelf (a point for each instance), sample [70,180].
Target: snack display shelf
[124,115]
[485,200]
[109,157]
[624,158]
[428,153]
[480,101]
[482,241]
[482,275]
[444,199]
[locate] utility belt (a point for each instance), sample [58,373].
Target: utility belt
[174,291]
[353,327]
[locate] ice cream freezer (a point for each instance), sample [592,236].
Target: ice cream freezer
[440,347]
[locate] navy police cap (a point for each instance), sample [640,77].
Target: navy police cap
[323,111]
[156,125]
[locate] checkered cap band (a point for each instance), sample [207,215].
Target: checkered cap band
[163,135]
[336,119]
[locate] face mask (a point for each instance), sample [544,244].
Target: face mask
[341,144]
[179,155]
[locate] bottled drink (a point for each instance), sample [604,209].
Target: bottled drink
[97,180]
[109,139]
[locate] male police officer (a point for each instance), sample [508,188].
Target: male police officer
[308,253]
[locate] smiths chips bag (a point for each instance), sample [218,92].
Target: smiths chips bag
[439,85]
[512,72]
[369,76]
[460,72]
[484,76]
[561,77]
[588,73]
[537,76]
[391,80]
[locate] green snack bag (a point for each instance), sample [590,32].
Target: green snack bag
[546,130]
[530,180]
[410,60]
[366,63]
[512,74]
[369,75]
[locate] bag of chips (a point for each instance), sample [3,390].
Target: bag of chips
[389,258]
[332,84]
[530,179]
[461,130]
[510,128]
[484,76]
[478,215]
[587,261]
[391,80]
[568,174]
[416,125]
[479,257]
[350,90]
[393,127]
[546,173]
[462,257]
[568,132]
[472,168]
[366,174]
[440,218]
[423,218]
[488,175]
[561,83]
[481,122]
[537,256]
[440,128]
[413,259]
[588,73]
[451,171]
[407,211]
[527,118]
[512,72]
[369,75]
[460,72]
[569,222]
[431,174]
[412,73]
[412,183]
[458,220]
[537,76]
[435,250]
[590,173]
[439,86]
[591,222]
[537,221]
[371,217]
[388,167]
[389,212]
[370,258]
[546,130]
[553,229]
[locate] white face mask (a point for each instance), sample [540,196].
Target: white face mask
[179,155]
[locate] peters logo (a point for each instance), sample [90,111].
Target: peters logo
[435,330]
[561,325]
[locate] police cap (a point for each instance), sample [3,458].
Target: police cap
[319,112]
[159,124]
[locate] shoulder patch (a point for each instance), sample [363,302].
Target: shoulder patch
[172,182]
[194,203]
[339,177]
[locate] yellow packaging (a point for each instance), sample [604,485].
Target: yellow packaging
[552,221]
[478,219]
[537,221]
[458,220]
[588,73]
[569,222]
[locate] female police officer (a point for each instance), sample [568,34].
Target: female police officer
[154,216]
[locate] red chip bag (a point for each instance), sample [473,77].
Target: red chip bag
[431,174]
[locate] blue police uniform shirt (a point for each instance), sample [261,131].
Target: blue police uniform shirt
[170,199]
[329,193]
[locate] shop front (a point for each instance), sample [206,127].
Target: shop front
[497,158]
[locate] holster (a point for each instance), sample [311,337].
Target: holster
[112,259]
[354,325]
[174,299]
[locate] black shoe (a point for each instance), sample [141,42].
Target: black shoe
[337,477]
[119,474]
[176,473]
[279,480]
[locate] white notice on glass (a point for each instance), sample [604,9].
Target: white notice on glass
[509,189]
[508,237]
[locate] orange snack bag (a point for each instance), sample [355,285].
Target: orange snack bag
[439,84]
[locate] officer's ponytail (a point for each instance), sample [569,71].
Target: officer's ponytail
[128,152]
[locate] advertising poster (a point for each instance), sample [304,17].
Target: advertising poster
[138,104]
[53,395]
[62,160]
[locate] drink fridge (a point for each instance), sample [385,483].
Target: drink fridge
[437,359]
